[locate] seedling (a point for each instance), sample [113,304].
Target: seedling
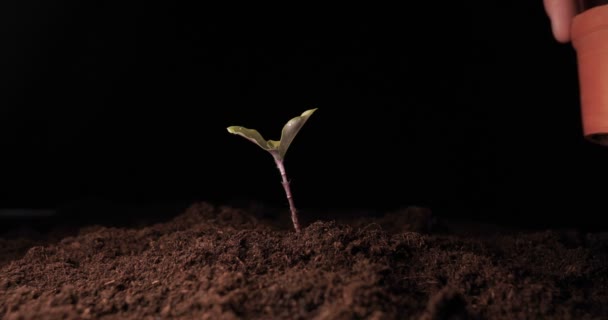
[278,149]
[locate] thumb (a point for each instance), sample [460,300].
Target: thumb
[561,13]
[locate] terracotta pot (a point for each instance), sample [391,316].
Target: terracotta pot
[590,40]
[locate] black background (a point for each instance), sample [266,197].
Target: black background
[470,109]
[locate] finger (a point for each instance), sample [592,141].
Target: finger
[560,13]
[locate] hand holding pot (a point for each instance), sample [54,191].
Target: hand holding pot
[585,24]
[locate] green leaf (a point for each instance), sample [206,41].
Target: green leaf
[290,130]
[253,136]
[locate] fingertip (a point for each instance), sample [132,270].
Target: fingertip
[561,32]
[561,13]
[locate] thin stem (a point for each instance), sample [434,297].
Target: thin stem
[285,183]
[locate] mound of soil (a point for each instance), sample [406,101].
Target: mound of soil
[220,262]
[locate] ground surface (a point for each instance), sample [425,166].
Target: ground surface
[214,262]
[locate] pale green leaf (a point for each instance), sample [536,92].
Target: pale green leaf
[291,129]
[253,136]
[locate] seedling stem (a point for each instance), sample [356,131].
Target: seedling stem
[285,183]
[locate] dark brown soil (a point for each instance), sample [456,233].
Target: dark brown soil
[224,263]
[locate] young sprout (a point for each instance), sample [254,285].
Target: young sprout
[278,149]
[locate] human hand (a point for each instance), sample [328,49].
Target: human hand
[561,13]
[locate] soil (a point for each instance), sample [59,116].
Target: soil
[228,262]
